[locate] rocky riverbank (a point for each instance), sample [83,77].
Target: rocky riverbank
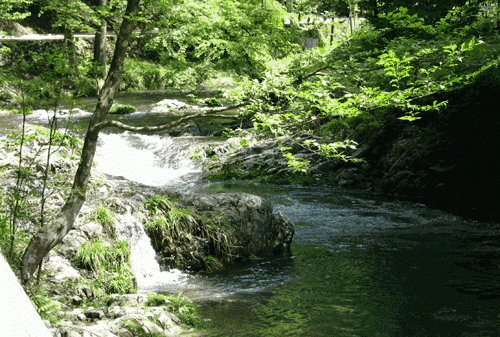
[87,287]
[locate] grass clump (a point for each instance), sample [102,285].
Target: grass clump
[157,204]
[212,263]
[110,263]
[171,226]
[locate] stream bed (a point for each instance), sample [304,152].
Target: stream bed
[361,264]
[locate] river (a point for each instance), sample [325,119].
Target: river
[361,264]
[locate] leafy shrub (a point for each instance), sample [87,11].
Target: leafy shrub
[122,109]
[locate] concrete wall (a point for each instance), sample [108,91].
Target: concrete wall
[18,316]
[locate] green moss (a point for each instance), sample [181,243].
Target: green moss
[122,109]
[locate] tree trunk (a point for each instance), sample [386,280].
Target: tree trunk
[52,233]
[100,55]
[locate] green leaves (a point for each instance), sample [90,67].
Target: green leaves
[296,164]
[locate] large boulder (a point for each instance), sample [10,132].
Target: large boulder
[256,229]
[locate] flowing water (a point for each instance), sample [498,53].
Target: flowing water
[361,264]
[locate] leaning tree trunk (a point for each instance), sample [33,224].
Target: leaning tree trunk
[52,233]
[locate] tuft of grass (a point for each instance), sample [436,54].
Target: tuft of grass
[106,219]
[157,204]
[58,138]
[110,263]
[212,263]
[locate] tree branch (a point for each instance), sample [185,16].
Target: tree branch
[202,114]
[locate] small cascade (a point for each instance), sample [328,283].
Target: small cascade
[143,257]
[148,159]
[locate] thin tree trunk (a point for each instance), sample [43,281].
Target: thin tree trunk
[100,55]
[52,233]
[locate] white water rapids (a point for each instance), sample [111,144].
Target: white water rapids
[148,159]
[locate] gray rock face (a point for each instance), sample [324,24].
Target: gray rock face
[59,269]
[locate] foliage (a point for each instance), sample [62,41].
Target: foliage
[196,154]
[46,307]
[343,91]
[122,109]
[297,164]
[141,75]
[14,10]
[58,138]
